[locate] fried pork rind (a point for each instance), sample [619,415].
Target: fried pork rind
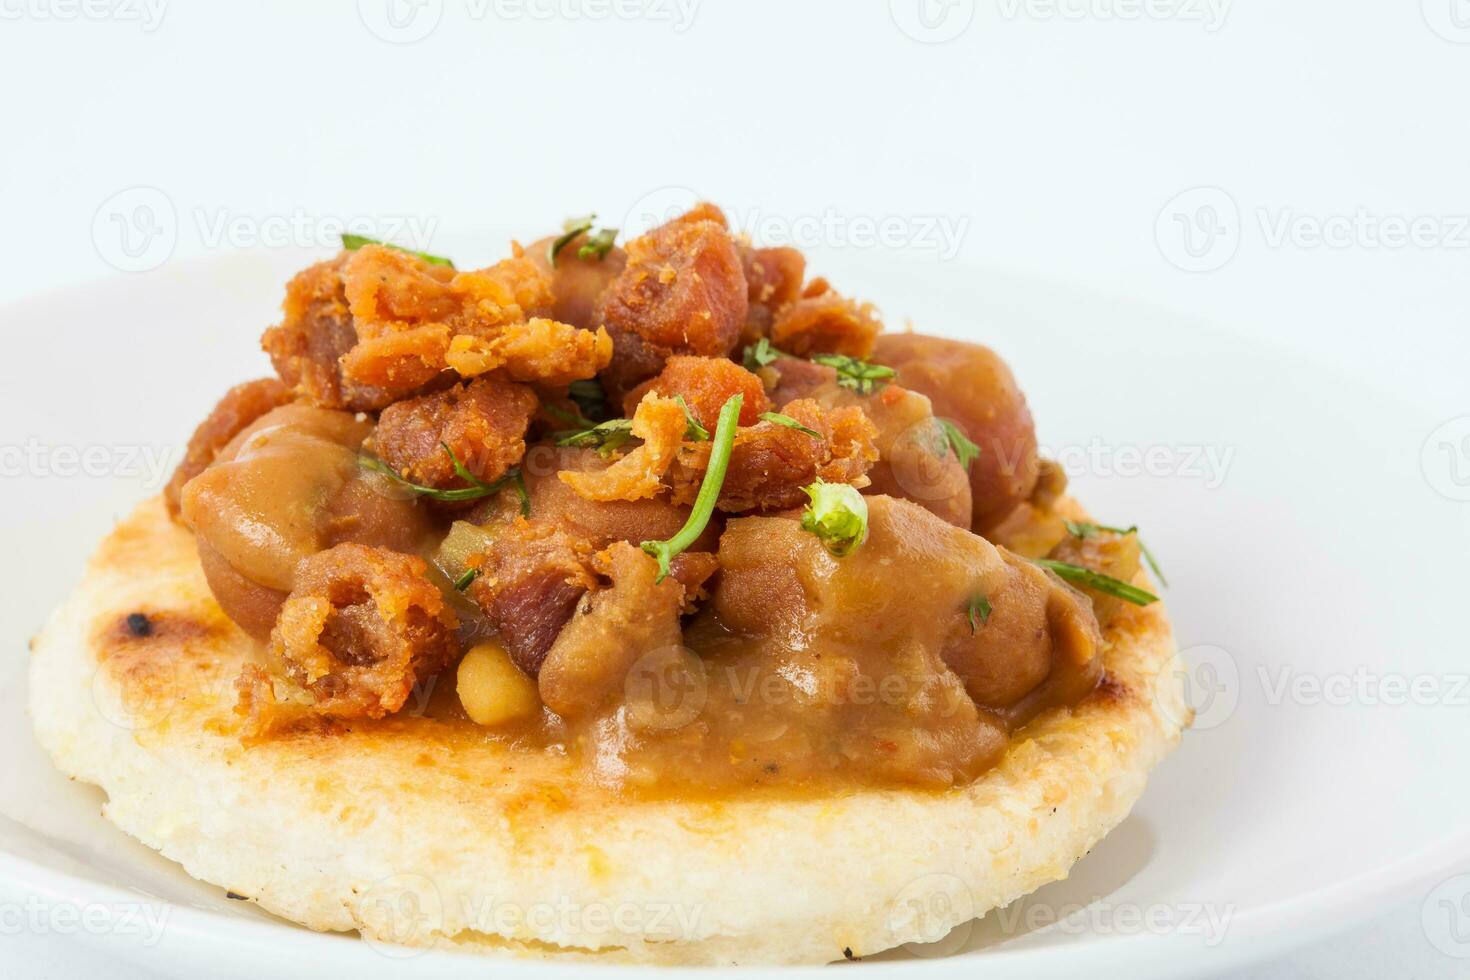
[314,333]
[773,278]
[528,581]
[771,463]
[683,291]
[825,322]
[576,283]
[377,325]
[705,384]
[361,628]
[484,423]
[531,572]
[541,350]
[660,423]
[240,406]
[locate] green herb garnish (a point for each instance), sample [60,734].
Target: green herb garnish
[518,480]
[575,421]
[790,423]
[862,377]
[354,242]
[607,437]
[598,244]
[463,582]
[965,450]
[978,606]
[693,431]
[570,229]
[760,354]
[837,515]
[1082,529]
[709,490]
[476,490]
[590,398]
[1097,580]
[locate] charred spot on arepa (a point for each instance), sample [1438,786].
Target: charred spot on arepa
[153,630]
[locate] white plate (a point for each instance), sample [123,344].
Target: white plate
[1309,526]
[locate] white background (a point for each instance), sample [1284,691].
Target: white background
[1068,139]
